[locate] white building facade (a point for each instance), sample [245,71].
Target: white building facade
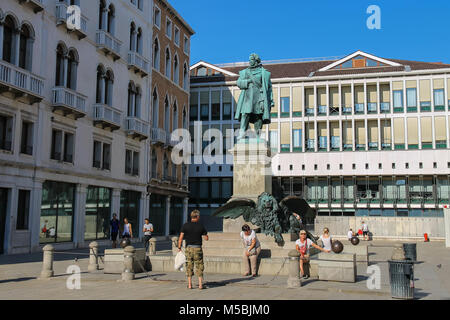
[358,136]
[74,120]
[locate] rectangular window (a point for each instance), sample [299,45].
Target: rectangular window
[323,143]
[56,151]
[398,100]
[157,17]
[411,97]
[97,154]
[439,104]
[285,106]
[193,113]
[98,213]
[186,45]
[135,163]
[273,140]
[128,161]
[227,111]
[204,112]
[297,139]
[335,142]
[26,144]
[6,133]
[23,210]
[68,147]
[106,156]
[169,28]
[176,36]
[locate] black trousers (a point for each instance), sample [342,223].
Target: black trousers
[146,242]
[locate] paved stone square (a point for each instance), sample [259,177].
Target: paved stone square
[18,280]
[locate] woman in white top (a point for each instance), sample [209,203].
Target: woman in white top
[127,231]
[302,245]
[252,249]
[326,239]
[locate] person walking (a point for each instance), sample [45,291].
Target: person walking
[252,249]
[114,223]
[127,230]
[148,229]
[193,232]
[365,230]
[302,245]
[326,239]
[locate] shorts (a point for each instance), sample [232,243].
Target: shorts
[305,258]
[114,236]
[194,256]
[365,233]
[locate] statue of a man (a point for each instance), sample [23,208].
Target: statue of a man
[256,98]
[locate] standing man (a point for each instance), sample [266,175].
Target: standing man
[114,230]
[193,232]
[148,229]
[365,230]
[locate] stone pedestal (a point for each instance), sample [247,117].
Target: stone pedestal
[252,171]
[252,175]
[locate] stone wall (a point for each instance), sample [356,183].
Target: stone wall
[384,227]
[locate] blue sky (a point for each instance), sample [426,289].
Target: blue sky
[229,30]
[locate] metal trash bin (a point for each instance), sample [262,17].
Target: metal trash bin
[401,278]
[410,251]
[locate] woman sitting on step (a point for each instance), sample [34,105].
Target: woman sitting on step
[252,249]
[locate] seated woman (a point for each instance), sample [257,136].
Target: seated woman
[302,245]
[326,239]
[252,249]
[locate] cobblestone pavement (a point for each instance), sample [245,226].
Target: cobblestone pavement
[18,280]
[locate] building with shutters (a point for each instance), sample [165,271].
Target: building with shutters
[356,136]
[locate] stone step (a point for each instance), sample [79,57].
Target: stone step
[236,236]
[238,244]
[238,252]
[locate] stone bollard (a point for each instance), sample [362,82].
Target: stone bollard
[175,246]
[152,247]
[47,263]
[294,280]
[398,253]
[93,257]
[128,261]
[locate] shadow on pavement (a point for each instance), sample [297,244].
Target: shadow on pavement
[18,280]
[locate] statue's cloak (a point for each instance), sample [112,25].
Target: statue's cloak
[243,83]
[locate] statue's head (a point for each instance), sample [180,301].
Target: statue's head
[254,60]
[266,202]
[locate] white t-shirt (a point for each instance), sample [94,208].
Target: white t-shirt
[326,242]
[350,234]
[248,239]
[148,227]
[301,245]
[365,227]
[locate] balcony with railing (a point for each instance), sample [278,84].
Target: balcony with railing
[107,43]
[138,63]
[137,128]
[170,142]
[69,102]
[35,5]
[63,16]
[158,136]
[20,82]
[107,117]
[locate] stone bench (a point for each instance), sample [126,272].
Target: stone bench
[113,261]
[361,252]
[334,267]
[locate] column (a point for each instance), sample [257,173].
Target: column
[16,35]
[353,134]
[167,231]
[367,132]
[391,110]
[365,98]
[419,128]
[341,135]
[104,19]
[10,223]
[143,212]
[35,215]
[80,215]
[406,132]
[185,209]
[328,135]
[433,132]
[379,98]
[379,130]
[115,203]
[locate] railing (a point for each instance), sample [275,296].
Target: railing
[109,41]
[158,135]
[20,78]
[62,15]
[67,97]
[170,141]
[137,125]
[135,59]
[103,112]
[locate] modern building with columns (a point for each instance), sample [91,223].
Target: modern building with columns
[75,120]
[355,136]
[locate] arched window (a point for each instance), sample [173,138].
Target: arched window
[131,97]
[60,56]
[175,117]
[156,54]
[185,77]
[100,85]
[109,83]
[111,19]
[155,107]
[139,41]
[102,15]
[72,67]
[167,73]
[25,47]
[137,102]
[132,37]
[176,70]
[166,115]
[9,39]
